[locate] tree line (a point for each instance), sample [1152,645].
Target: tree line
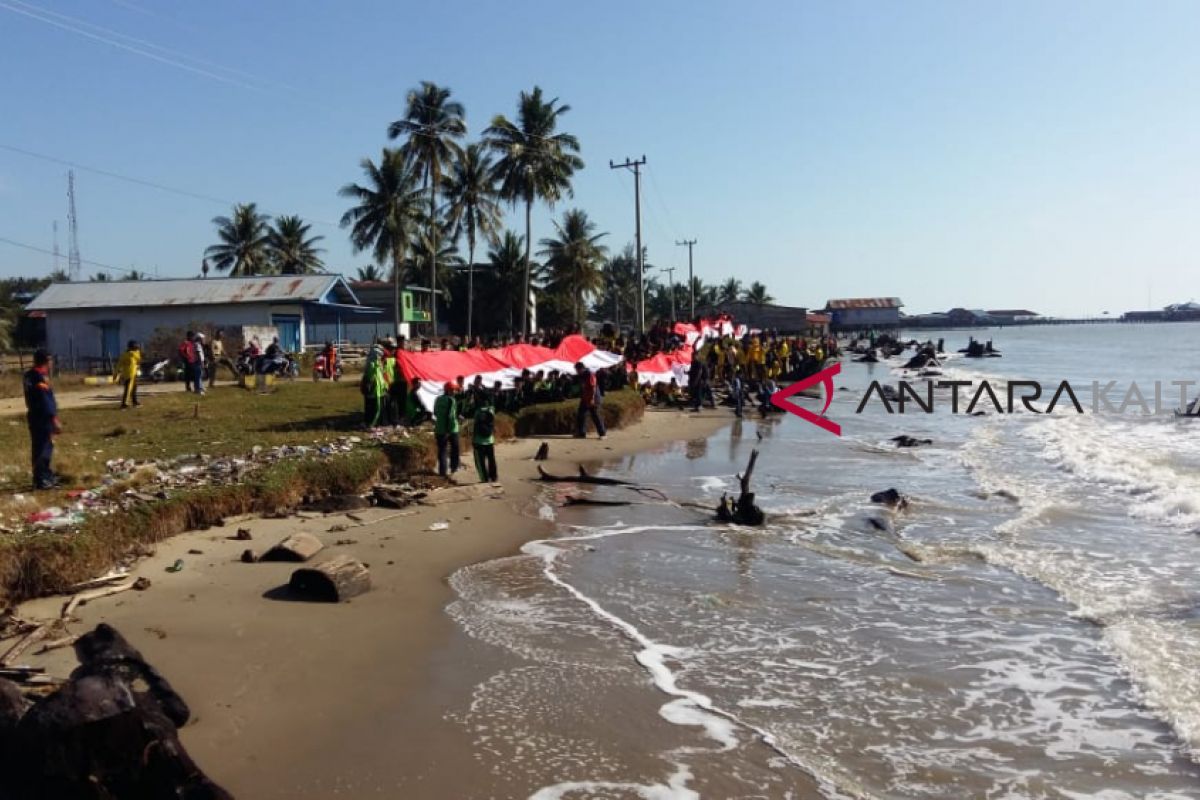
[431,191]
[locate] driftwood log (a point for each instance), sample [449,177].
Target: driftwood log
[297,547]
[743,511]
[572,500]
[112,731]
[583,477]
[332,581]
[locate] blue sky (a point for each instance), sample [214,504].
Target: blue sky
[1031,154]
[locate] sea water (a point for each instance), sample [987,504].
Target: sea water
[1028,627]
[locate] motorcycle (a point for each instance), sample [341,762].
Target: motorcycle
[321,370]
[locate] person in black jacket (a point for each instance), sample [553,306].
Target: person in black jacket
[42,416]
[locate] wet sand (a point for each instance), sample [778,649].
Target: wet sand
[304,700]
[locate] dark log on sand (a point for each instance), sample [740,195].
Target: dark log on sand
[297,547]
[583,477]
[743,511]
[332,581]
[571,500]
[543,452]
[111,731]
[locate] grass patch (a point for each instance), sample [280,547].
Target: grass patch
[619,409]
[231,421]
[226,421]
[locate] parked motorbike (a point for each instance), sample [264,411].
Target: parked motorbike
[322,371]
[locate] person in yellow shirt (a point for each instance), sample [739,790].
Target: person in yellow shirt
[126,371]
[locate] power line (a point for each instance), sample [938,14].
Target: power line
[36,249]
[113,39]
[138,181]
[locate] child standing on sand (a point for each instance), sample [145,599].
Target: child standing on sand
[483,440]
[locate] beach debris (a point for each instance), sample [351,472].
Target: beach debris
[141,584]
[297,547]
[440,525]
[195,552]
[177,566]
[543,452]
[345,542]
[458,494]
[28,640]
[333,581]
[890,498]
[572,500]
[909,441]
[111,730]
[743,511]
[242,535]
[95,594]
[583,477]
[249,556]
[336,503]
[396,495]
[56,644]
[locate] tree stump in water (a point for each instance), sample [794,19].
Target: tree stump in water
[743,511]
[332,581]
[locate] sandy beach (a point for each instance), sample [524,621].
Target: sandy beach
[297,700]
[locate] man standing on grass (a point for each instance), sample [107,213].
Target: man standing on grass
[126,371]
[483,439]
[445,429]
[42,417]
[589,402]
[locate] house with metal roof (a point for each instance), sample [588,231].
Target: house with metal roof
[862,313]
[90,322]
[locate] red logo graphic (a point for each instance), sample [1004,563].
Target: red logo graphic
[825,378]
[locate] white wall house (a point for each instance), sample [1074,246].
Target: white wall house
[90,322]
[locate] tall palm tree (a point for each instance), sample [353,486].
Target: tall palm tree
[757,294]
[508,264]
[370,274]
[471,208]
[290,250]
[535,163]
[574,261]
[431,124]
[440,251]
[705,294]
[730,291]
[243,246]
[386,216]
[620,284]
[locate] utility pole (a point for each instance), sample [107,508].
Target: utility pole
[691,280]
[636,166]
[671,288]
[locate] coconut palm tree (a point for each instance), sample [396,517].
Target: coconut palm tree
[291,251]
[370,274]
[471,209]
[439,251]
[507,259]
[757,294]
[575,260]
[620,285]
[386,216]
[730,291]
[431,124]
[705,294]
[243,246]
[535,163]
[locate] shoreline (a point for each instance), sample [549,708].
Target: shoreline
[294,699]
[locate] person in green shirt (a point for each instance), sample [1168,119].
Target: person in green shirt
[373,387]
[445,429]
[483,439]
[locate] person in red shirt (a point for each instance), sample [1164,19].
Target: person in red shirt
[589,403]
